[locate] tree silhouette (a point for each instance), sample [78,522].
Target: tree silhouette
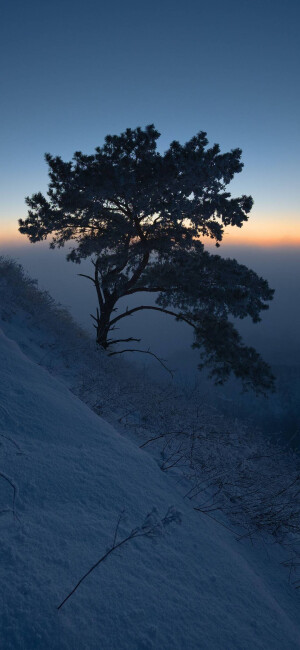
[140,216]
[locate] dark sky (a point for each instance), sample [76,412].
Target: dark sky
[71,72]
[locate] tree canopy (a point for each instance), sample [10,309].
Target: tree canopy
[140,216]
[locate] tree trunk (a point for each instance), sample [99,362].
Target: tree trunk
[103,327]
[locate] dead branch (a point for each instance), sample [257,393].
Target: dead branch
[151,527]
[161,361]
[113,342]
[8,480]
[12,442]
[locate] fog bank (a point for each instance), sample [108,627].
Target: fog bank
[276,337]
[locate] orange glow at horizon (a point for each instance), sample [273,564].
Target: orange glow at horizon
[265,231]
[10,236]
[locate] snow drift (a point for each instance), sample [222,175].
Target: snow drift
[73,475]
[66,475]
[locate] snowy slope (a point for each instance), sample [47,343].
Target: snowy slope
[195,587]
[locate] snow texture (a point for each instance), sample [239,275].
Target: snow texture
[65,477]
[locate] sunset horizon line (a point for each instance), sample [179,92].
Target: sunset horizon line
[18,240]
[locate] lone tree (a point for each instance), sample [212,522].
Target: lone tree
[140,216]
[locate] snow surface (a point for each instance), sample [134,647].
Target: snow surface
[73,473]
[65,476]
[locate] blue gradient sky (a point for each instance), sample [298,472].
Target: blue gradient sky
[74,71]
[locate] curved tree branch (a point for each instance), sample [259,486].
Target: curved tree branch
[143,307]
[161,361]
[148,289]
[113,342]
[89,277]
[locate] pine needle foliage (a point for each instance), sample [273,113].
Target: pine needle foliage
[140,216]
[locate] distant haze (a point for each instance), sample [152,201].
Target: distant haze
[276,337]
